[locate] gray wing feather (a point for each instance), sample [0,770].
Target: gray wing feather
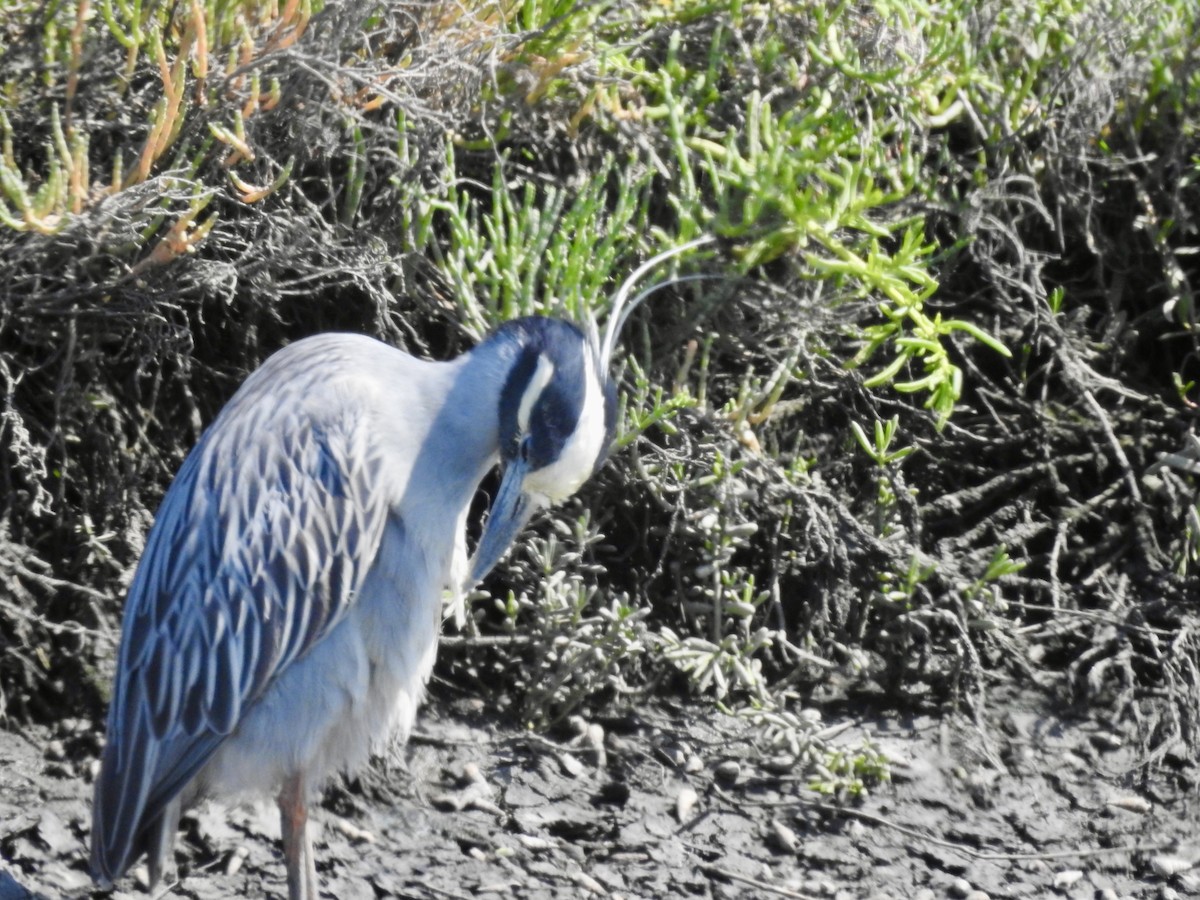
[258,550]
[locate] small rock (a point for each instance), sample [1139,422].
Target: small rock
[960,887]
[781,837]
[728,771]
[1066,878]
[588,883]
[532,842]
[353,832]
[1166,865]
[811,887]
[594,740]
[675,755]
[977,895]
[236,859]
[693,765]
[779,765]
[685,802]
[1132,803]
[570,765]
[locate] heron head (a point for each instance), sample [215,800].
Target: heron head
[558,410]
[558,413]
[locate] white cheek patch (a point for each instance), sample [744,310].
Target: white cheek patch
[566,474]
[537,383]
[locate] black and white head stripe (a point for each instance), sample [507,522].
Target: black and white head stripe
[558,404]
[556,410]
[584,448]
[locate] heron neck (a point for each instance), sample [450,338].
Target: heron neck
[463,443]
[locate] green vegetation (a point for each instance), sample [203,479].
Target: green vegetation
[915,419]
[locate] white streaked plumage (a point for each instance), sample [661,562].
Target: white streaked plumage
[285,612]
[284,615]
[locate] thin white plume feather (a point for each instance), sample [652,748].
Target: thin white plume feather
[622,306]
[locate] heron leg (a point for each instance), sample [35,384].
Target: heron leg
[297,847]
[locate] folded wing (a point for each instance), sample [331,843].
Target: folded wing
[259,549]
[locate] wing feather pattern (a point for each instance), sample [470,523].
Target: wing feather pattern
[259,548]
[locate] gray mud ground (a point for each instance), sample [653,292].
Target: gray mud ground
[1049,807]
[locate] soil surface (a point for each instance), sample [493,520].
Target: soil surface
[669,802]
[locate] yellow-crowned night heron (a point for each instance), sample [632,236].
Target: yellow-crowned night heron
[284,616]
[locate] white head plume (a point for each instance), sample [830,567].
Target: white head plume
[622,306]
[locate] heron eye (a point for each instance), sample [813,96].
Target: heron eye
[523,448]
